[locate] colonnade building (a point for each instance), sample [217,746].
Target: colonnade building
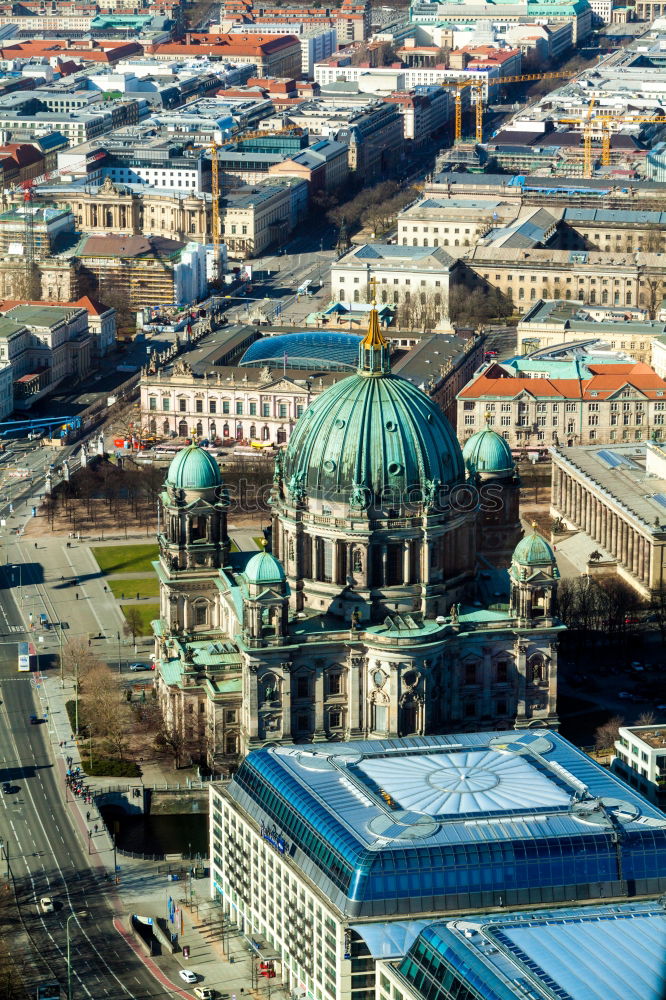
[617,496]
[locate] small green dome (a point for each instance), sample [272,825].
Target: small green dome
[194,469]
[487,451]
[263,568]
[533,550]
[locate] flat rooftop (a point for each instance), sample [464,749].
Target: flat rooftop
[654,736]
[620,471]
[600,953]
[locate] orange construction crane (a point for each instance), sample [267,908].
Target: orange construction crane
[477,95]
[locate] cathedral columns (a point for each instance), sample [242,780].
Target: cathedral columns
[552,680]
[319,702]
[487,682]
[286,700]
[521,671]
[253,703]
[353,696]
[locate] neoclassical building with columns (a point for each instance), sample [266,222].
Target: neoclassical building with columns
[376,613]
[617,496]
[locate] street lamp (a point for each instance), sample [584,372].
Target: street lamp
[5,847]
[81,913]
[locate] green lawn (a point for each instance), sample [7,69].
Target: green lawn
[148,611]
[125,558]
[147,586]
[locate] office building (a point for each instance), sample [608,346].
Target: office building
[330,856]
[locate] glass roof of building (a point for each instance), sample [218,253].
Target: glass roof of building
[311,351]
[445,822]
[604,952]
[470,782]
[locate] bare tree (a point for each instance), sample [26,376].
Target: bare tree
[606,734]
[133,622]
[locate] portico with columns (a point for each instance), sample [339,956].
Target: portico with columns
[616,497]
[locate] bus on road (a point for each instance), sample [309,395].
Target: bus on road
[27,657]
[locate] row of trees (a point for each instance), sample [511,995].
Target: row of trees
[102,492]
[116,725]
[376,206]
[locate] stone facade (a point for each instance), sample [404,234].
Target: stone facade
[368,618]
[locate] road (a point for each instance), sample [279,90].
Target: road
[46,857]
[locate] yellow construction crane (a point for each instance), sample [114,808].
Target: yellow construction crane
[477,95]
[603,123]
[260,134]
[215,217]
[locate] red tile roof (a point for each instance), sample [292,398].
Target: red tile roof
[601,386]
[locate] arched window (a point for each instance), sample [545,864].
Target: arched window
[153,426]
[201,614]
[225,430]
[165,427]
[239,432]
[265,433]
[182,428]
[253,431]
[199,429]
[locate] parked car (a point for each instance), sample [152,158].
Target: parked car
[188,976]
[204,993]
[46,904]
[6,788]
[138,666]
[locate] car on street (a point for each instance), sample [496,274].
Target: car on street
[625,695]
[6,788]
[139,666]
[46,904]
[188,975]
[204,993]
[34,720]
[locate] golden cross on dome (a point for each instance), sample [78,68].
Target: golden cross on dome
[372,285]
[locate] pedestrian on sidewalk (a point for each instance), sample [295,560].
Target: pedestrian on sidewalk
[96,827]
[88,816]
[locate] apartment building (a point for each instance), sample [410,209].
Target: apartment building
[244,404]
[454,223]
[324,165]
[640,760]
[399,273]
[149,270]
[560,404]
[555,322]
[615,279]
[44,345]
[424,110]
[253,218]
[133,209]
[51,229]
[273,55]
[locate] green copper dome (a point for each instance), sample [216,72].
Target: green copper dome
[533,550]
[194,469]
[370,434]
[487,451]
[263,568]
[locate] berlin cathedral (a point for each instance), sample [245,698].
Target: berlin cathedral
[398,597]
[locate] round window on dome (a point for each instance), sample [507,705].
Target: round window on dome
[395,468]
[329,465]
[340,423]
[391,425]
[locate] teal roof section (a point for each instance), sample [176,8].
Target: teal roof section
[487,451]
[371,435]
[194,469]
[264,568]
[533,550]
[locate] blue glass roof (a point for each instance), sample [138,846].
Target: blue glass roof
[609,952]
[316,351]
[443,822]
